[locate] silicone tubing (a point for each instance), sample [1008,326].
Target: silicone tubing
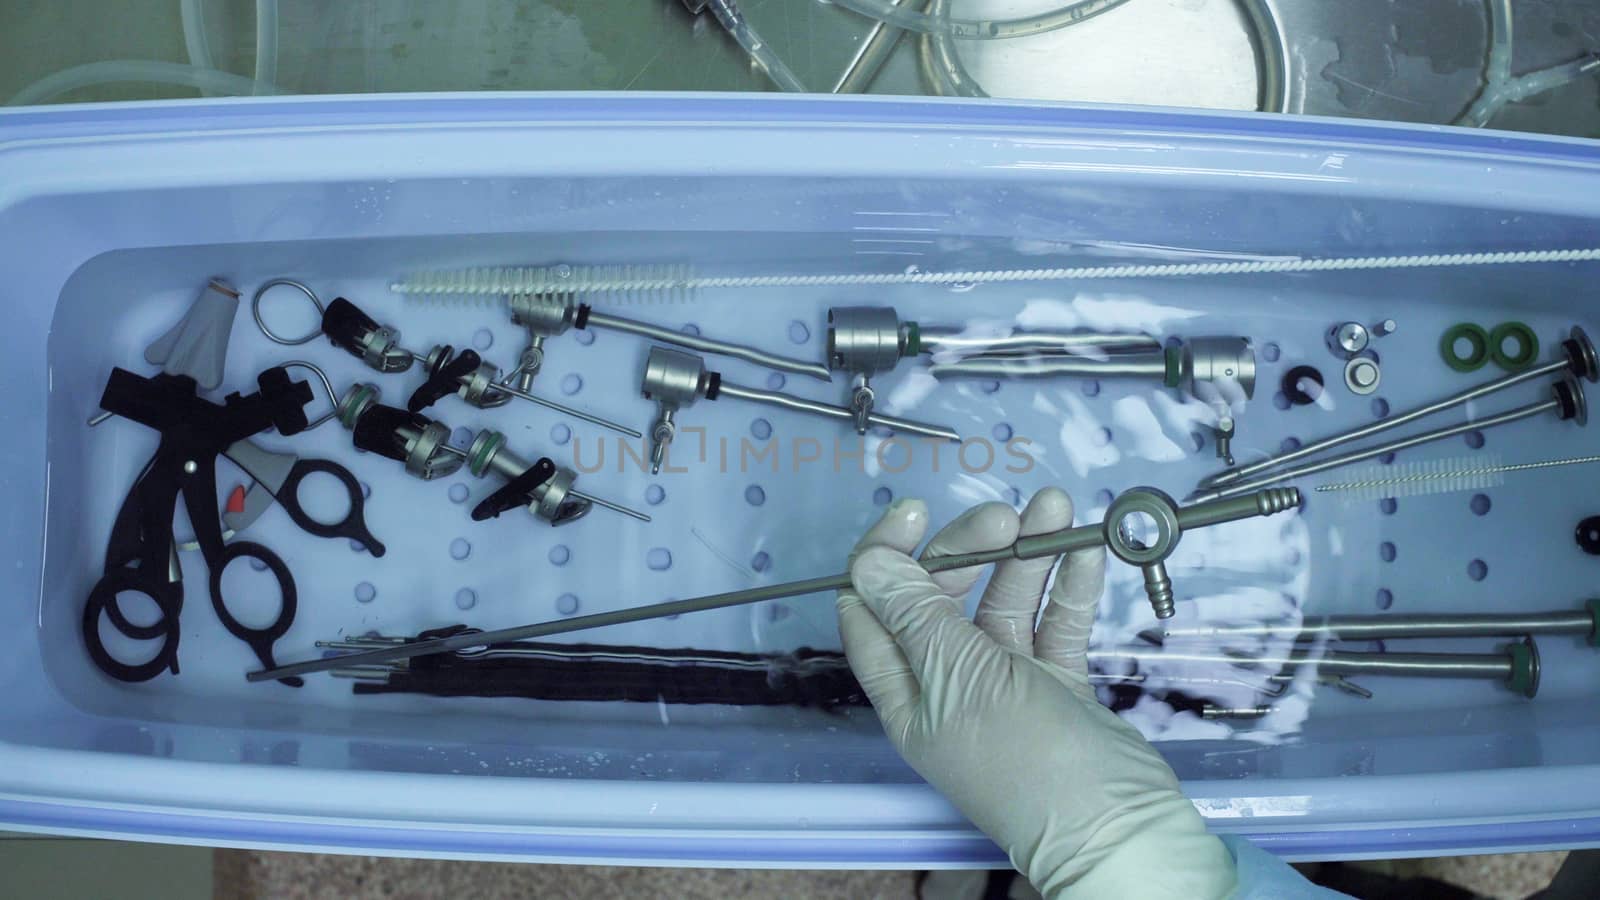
[980,29]
[142,70]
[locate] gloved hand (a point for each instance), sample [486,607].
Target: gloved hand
[1000,717]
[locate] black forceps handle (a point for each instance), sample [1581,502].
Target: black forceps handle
[354,523]
[282,473]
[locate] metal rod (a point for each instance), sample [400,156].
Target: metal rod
[362,673]
[1400,627]
[1138,365]
[872,54]
[608,504]
[707,345]
[1498,666]
[458,452]
[1235,712]
[800,404]
[1232,476]
[1234,488]
[960,341]
[548,404]
[567,410]
[1055,543]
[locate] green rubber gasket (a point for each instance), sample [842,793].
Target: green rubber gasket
[1524,668]
[477,465]
[1594,627]
[1527,342]
[1475,335]
[1174,359]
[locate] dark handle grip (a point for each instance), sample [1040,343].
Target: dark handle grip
[286,400]
[260,640]
[378,430]
[445,379]
[516,492]
[347,326]
[354,523]
[167,595]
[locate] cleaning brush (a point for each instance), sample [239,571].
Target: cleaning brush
[1438,476]
[652,283]
[618,284]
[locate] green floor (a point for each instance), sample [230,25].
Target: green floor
[1417,61]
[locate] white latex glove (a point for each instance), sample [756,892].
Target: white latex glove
[1000,717]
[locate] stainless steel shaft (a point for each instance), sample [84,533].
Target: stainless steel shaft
[1053,543]
[1234,488]
[504,388]
[963,342]
[509,466]
[1138,365]
[873,53]
[707,345]
[567,410]
[800,404]
[1495,666]
[1399,627]
[1578,359]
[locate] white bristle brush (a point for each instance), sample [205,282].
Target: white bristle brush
[1437,476]
[615,285]
[654,282]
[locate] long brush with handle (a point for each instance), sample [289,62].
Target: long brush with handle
[669,280]
[1438,476]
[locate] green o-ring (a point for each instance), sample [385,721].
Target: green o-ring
[1524,668]
[1475,335]
[486,448]
[1527,343]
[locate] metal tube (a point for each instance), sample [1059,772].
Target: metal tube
[962,342]
[574,492]
[362,673]
[1399,627]
[1139,365]
[1232,476]
[870,57]
[800,404]
[566,410]
[1051,544]
[509,465]
[1497,666]
[707,345]
[1514,415]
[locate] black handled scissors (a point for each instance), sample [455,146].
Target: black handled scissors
[140,555]
[141,558]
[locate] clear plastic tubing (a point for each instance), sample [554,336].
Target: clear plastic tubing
[144,70]
[733,21]
[199,49]
[1500,87]
[980,29]
[266,46]
[942,69]
[194,35]
[201,73]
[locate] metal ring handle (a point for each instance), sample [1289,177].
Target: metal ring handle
[327,385]
[102,599]
[260,640]
[1163,512]
[255,310]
